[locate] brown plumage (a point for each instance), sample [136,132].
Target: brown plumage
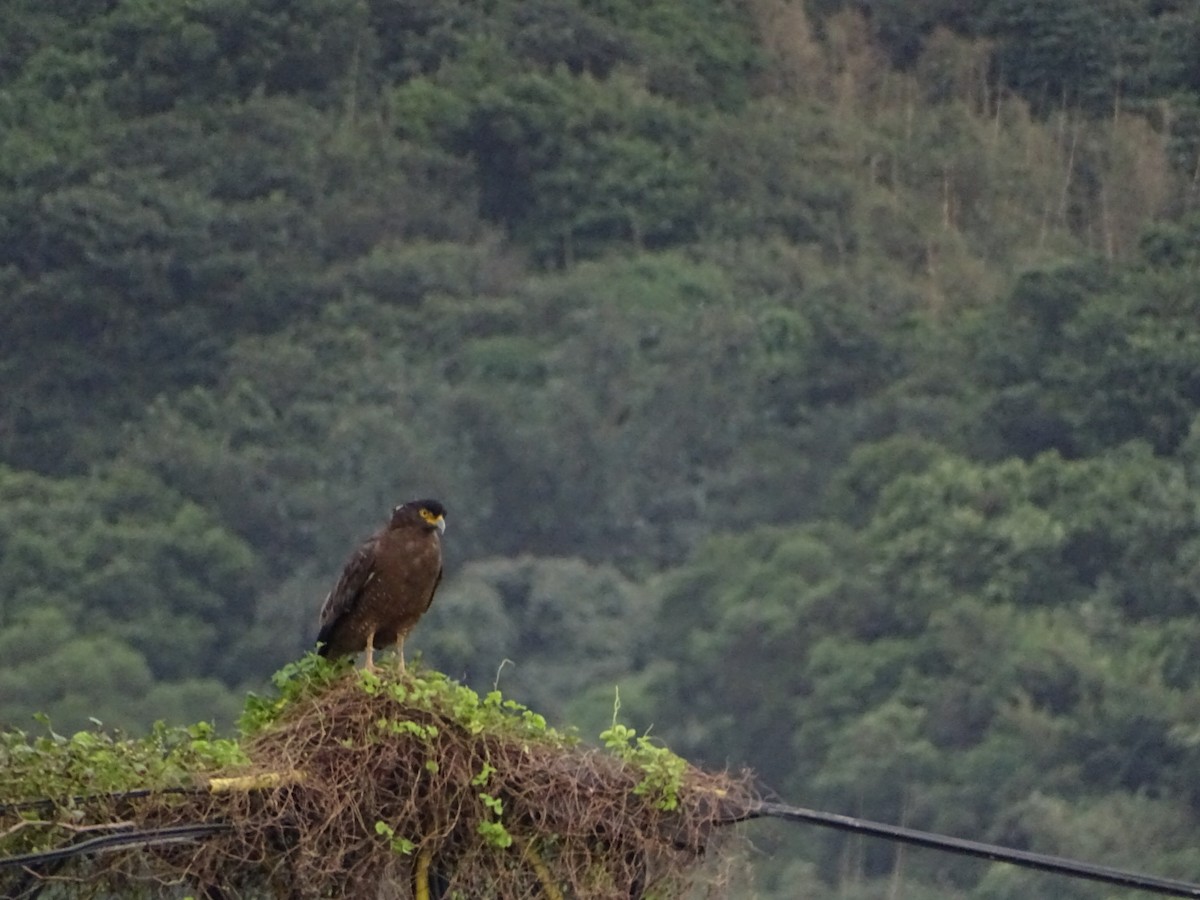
[387,585]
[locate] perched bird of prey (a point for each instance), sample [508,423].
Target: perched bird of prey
[387,585]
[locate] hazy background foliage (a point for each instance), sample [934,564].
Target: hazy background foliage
[824,375]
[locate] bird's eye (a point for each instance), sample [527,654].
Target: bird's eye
[427,515]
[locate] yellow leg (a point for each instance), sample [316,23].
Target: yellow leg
[400,654]
[370,667]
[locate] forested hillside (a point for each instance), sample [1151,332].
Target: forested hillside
[825,374]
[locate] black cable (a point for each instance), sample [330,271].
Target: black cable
[120,840]
[1025,858]
[78,799]
[1061,865]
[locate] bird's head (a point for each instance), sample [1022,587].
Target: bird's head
[429,514]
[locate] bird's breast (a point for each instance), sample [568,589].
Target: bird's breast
[411,561]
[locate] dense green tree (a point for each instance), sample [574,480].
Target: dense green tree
[1087,359]
[1066,53]
[160,54]
[1098,56]
[570,164]
[88,676]
[695,50]
[776,172]
[122,555]
[972,645]
[753,610]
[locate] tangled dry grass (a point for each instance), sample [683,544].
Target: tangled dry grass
[380,786]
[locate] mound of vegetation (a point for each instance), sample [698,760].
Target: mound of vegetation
[345,781]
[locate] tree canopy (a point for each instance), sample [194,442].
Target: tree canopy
[823,375]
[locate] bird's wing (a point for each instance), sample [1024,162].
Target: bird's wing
[345,594]
[433,590]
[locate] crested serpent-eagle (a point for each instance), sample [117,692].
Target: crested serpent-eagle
[386,585]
